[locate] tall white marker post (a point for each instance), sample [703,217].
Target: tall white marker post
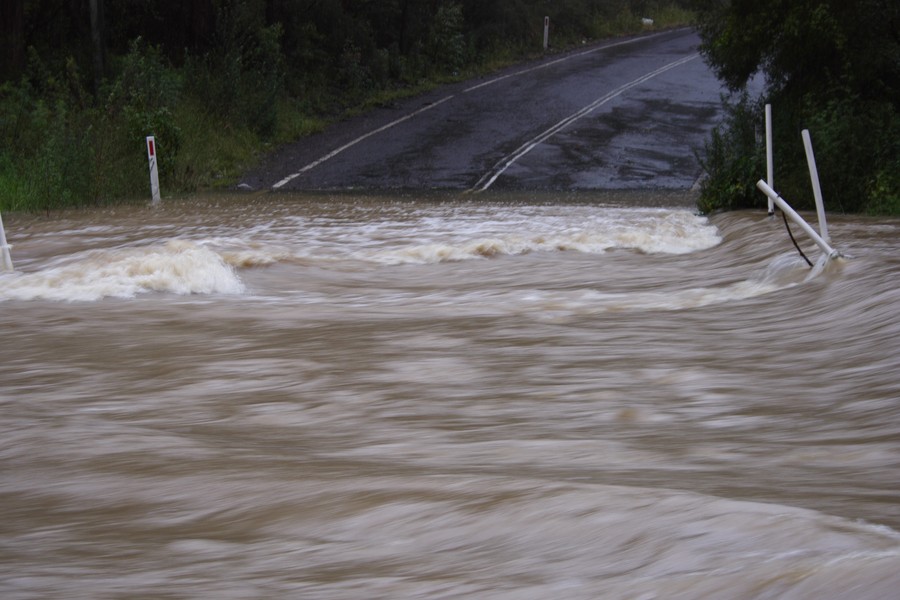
[154,170]
[770,161]
[4,247]
[546,32]
[817,189]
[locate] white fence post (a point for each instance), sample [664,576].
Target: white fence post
[4,247]
[154,170]
[546,32]
[817,189]
[770,162]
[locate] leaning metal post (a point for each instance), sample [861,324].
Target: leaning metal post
[796,218]
[814,179]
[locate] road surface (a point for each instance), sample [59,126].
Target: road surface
[624,114]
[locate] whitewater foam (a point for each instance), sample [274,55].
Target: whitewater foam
[177,267]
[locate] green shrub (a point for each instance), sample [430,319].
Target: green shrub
[734,159]
[856,144]
[47,132]
[141,101]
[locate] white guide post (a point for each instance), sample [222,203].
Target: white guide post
[792,214]
[817,189]
[154,170]
[546,32]
[4,247]
[770,161]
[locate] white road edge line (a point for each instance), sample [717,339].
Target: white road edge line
[491,176]
[559,60]
[352,143]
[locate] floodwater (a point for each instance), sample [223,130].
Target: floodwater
[520,397]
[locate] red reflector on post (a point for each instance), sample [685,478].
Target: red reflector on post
[150,147]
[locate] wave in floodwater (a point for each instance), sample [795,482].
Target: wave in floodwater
[176,267]
[343,398]
[206,260]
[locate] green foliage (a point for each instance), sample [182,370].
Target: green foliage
[831,67]
[885,191]
[141,102]
[48,131]
[733,160]
[446,45]
[856,144]
[213,153]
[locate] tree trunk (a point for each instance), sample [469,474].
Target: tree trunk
[98,42]
[12,39]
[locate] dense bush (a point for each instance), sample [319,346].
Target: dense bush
[831,67]
[734,159]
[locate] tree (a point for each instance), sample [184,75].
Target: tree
[832,66]
[12,38]
[98,41]
[808,45]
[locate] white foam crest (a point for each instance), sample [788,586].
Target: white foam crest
[652,233]
[662,232]
[178,267]
[436,252]
[252,254]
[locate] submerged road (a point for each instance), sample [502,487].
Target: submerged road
[623,114]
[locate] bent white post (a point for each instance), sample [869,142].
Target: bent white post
[790,212]
[4,247]
[154,170]
[770,161]
[814,179]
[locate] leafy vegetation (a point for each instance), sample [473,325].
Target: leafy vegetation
[830,66]
[218,82]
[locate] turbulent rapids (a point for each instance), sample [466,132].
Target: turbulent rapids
[209,260]
[383,397]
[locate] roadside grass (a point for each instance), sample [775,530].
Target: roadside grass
[212,154]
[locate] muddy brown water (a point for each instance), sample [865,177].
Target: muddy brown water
[313,396]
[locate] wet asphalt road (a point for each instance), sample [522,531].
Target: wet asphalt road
[623,114]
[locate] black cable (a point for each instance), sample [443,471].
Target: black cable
[796,245]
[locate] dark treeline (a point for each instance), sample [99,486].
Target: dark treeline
[314,35]
[83,81]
